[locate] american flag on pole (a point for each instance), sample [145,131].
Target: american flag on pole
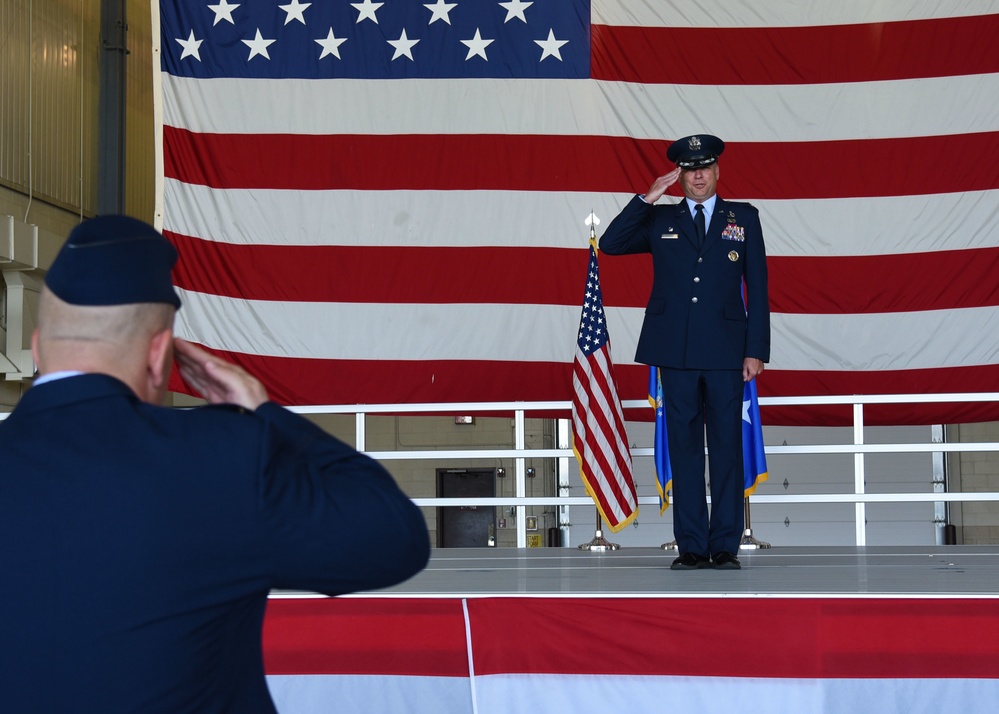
[361,189]
[599,437]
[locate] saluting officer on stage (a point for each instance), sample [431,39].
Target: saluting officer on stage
[706,253]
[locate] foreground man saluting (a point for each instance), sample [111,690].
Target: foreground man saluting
[139,543]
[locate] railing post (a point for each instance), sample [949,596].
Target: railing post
[359,435]
[858,473]
[941,510]
[564,442]
[520,443]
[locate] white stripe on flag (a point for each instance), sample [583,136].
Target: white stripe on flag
[777,113]
[952,221]
[917,340]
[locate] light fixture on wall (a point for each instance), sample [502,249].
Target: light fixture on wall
[464,420]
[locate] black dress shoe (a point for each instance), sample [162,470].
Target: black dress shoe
[689,561]
[727,561]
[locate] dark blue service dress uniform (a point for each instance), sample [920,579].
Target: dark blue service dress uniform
[698,330]
[138,545]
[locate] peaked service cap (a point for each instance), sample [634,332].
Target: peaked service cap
[694,152]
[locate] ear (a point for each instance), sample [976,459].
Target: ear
[159,360]
[34,350]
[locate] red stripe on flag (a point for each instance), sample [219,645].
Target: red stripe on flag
[316,381]
[818,169]
[296,380]
[904,282]
[419,162]
[543,276]
[796,55]
[370,636]
[858,638]
[817,638]
[385,274]
[957,380]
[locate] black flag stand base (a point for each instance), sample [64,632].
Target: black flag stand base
[599,543]
[748,542]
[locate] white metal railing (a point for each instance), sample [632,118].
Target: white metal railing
[519,453]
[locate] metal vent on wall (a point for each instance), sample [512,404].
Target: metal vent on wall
[18,256]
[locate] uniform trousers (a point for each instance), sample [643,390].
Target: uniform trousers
[699,402]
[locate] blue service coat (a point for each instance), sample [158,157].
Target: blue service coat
[695,318]
[138,545]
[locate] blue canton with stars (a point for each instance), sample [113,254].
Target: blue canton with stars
[592,324]
[391,39]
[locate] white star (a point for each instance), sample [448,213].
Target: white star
[745,412]
[515,9]
[403,46]
[366,10]
[190,46]
[440,11]
[477,46]
[331,45]
[551,46]
[258,46]
[296,11]
[223,11]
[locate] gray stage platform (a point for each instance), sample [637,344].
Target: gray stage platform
[940,571]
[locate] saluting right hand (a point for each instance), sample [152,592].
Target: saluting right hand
[218,381]
[660,185]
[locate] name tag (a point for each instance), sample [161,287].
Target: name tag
[668,236]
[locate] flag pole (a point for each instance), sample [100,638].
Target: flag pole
[599,543]
[749,542]
[754,459]
[593,376]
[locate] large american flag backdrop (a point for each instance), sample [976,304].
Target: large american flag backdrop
[383,202]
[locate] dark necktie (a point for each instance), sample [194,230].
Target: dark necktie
[699,224]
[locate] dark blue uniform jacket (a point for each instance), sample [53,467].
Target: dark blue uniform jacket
[695,317]
[138,545]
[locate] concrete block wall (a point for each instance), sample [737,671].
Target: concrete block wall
[975,472]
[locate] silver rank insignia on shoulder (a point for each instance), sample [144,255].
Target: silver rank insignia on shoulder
[733,255]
